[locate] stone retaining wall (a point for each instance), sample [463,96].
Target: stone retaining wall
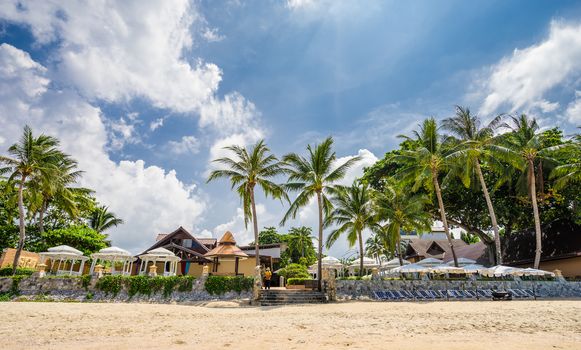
[71,288]
[361,290]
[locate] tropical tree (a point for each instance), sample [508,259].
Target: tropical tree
[352,214]
[423,164]
[400,210]
[375,247]
[29,158]
[102,219]
[313,176]
[569,173]
[527,149]
[300,241]
[477,144]
[246,170]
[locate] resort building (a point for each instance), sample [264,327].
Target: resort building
[223,256]
[421,248]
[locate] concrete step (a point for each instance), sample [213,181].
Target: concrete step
[285,297]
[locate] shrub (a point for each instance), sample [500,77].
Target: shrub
[145,285]
[295,271]
[297,281]
[110,284]
[7,271]
[221,284]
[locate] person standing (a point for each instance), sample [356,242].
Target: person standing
[267,277]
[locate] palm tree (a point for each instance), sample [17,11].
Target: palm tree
[352,213]
[477,144]
[375,248]
[102,219]
[402,211]
[29,158]
[314,176]
[422,165]
[569,173]
[525,144]
[246,170]
[300,240]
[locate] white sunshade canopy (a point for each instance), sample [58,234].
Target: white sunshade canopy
[393,263]
[159,254]
[534,272]
[367,262]
[65,249]
[473,268]
[462,261]
[430,262]
[447,269]
[501,270]
[411,268]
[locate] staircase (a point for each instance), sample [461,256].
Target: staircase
[273,297]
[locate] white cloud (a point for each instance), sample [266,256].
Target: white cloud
[116,51]
[156,124]
[299,4]
[519,82]
[212,35]
[573,111]
[187,145]
[122,132]
[148,198]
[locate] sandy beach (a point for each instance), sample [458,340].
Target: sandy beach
[358,325]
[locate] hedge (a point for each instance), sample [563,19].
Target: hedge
[145,285]
[221,284]
[297,281]
[294,271]
[7,271]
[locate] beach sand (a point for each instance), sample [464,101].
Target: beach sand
[357,325]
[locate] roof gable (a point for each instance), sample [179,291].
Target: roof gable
[180,234]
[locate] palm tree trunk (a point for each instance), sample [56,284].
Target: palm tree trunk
[255,224]
[491,213]
[398,249]
[533,194]
[360,253]
[41,217]
[22,235]
[320,248]
[443,217]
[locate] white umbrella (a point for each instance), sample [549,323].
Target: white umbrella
[500,270]
[430,262]
[534,272]
[367,262]
[462,262]
[473,268]
[447,269]
[411,268]
[393,263]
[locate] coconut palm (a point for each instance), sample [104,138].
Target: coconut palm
[375,248]
[400,210]
[102,219]
[525,144]
[352,214]
[300,240]
[477,144]
[246,170]
[423,165]
[569,173]
[314,176]
[29,158]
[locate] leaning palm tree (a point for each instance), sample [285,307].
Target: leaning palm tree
[352,213]
[525,144]
[29,158]
[246,170]
[400,210]
[314,176]
[102,219]
[477,144]
[423,165]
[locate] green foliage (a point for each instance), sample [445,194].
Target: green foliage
[85,281]
[6,297]
[269,236]
[89,296]
[81,237]
[468,238]
[145,285]
[217,285]
[297,281]
[300,248]
[102,219]
[294,271]
[7,271]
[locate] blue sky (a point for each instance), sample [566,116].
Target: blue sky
[145,94]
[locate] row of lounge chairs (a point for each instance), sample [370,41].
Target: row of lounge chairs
[450,294]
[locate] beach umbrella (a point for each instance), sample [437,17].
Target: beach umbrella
[462,262]
[430,262]
[411,268]
[473,268]
[534,272]
[446,269]
[393,263]
[367,262]
[500,270]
